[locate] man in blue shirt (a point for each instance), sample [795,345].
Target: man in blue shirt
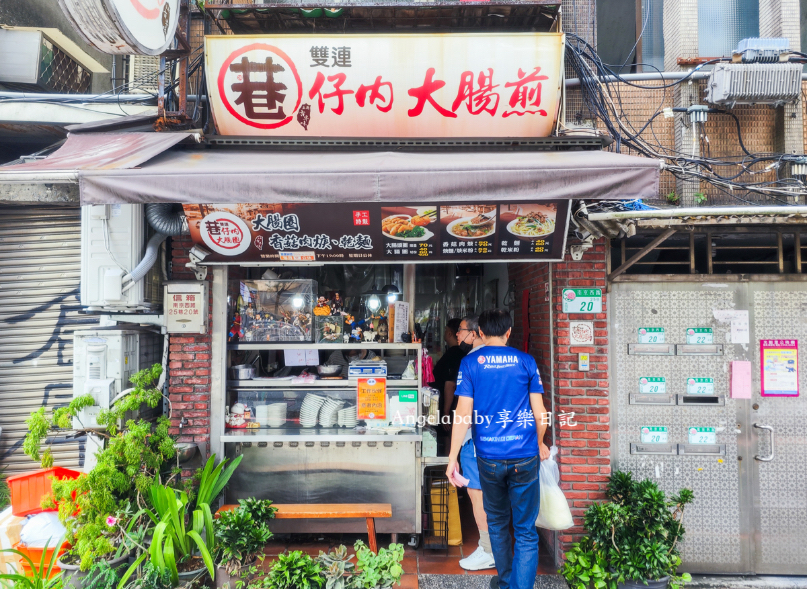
[501,397]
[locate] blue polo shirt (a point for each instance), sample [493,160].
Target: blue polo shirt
[500,380]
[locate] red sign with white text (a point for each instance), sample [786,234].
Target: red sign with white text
[439,85]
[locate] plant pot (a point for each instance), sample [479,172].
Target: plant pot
[73,577]
[193,573]
[226,581]
[27,489]
[661,583]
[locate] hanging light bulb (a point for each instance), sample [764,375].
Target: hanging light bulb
[373,303]
[297,302]
[392,293]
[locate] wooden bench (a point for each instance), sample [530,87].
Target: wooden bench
[368,511]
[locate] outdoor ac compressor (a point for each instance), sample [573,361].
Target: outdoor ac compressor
[103,362]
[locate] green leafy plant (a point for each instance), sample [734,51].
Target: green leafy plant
[90,506]
[213,480]
[150,577]
[240,539]
[295,570]
[337,568]
[5,492]
[173,543]
[378,570]
[633,536]
[700,198]
[673,198]
[101,576]
[261,510]
[39,576]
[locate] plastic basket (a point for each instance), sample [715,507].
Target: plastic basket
[28,489]
[435,508]
[35,554]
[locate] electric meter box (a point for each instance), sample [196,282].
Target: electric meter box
[104,361]
[113,242]
[185,306]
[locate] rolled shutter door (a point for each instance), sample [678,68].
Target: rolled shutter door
[40,269]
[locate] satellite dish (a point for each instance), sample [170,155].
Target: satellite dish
[124,27]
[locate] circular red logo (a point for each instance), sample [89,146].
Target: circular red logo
[149,13]
[225,234]
[481,359]
[256,86]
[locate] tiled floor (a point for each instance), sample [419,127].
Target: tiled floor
[416,562]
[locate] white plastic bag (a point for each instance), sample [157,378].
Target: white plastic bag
[41,529]
[554,513]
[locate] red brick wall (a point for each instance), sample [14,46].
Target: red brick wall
[585,454]
[188,366]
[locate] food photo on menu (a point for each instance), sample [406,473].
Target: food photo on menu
[408,223]
[468,222]
[526,226]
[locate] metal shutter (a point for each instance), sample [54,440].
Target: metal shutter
[40,260]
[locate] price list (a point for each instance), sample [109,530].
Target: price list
[397,249]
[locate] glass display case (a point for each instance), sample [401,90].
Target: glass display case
[271,310]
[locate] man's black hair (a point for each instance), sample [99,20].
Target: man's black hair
[472,321]
[495,322]
[453,325]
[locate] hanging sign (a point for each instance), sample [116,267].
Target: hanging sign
[651,335]
[124,27]
[702,435]
[443,85]
[700,386]
[652,385]
[779,367]
[654,434]
[371,398]
[582,300]
[700,335]
[384,232]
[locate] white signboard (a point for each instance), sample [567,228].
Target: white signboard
[700,335]
[652,385]
[700,386]
[651,335]
[124,27]
[654,434]
[702,435]
[581,300]
[581,333]
[434,85]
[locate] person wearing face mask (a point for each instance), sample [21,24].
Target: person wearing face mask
[445,376]
[482,557]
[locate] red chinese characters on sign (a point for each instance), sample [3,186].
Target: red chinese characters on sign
[338,92]
[183,305]
[384,102]
[361,218]
[479,99]
[224,233]
[527,94]
[423,94]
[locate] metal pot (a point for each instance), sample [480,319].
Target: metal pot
[185,451]
[73,577]
[329,370]
[242,372]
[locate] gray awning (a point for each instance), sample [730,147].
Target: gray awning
[98,151]
[247,175]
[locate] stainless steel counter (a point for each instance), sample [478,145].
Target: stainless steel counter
[335,434]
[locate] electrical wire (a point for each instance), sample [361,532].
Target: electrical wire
[602,98]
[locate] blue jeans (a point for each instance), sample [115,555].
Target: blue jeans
[512,484]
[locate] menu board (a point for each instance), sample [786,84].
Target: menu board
[381,232]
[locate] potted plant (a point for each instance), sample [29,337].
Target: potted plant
[294,570]
[632,539]
[337,568]
[241,535]
[35,577]
[380,570]
[92,506]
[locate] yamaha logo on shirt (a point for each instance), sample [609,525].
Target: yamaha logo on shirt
[505,361]
[481,359]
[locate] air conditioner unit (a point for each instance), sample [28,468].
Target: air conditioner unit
[104,361]
[32,62]
[113,240]
[754,83]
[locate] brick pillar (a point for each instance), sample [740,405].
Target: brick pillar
[188,366]
[585,449]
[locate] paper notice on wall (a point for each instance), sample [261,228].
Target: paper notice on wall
[739,324]
[740,379]
[399,316]
[301,357]
[245,294]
